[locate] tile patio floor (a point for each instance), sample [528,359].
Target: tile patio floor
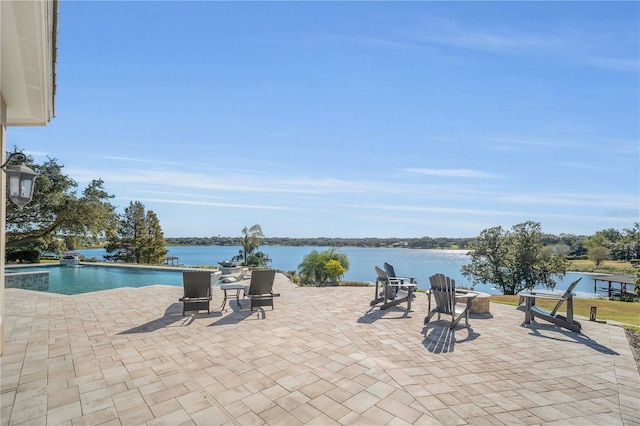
[129,357]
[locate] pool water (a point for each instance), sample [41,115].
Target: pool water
[86,278]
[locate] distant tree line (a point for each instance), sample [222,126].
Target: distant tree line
[417,243]
[608,243]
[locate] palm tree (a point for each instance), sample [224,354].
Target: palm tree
[250,241]
[314,269]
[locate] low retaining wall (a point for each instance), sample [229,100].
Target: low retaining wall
[36,280]
[481,303]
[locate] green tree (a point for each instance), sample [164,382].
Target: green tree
[318,268]
[139,238]
[632,242]
[597,254]
[250,241]
[636,282]
[311,270]
[259,259]
[57,212]
[154,250]
[513,260]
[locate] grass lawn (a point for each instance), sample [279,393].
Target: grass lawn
[625,312]
[606,266]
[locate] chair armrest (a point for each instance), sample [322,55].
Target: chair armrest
[542,295]
[396,280]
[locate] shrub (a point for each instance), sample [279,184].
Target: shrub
[23,256]
[318,268]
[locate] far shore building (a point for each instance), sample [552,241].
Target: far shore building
[28,50]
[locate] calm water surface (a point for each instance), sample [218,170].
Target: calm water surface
[420,264]
[87,278]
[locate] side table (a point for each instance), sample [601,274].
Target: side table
[228,287]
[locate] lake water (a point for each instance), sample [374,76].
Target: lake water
[420,264]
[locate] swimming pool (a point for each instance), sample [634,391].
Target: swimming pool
[87,278]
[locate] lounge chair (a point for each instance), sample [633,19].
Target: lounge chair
[448,302]
[197,290]
[260,288]
[234,278]
[391,296]
[528,305]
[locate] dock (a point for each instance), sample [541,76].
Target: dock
[617,285]
[171,260]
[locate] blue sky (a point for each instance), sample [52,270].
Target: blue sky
[352,119]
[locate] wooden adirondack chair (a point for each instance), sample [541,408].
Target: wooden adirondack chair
[447,301]
[528,305]
[390,295]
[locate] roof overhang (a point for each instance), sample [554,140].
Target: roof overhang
[28,55]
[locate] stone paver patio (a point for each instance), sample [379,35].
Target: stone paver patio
[129,357]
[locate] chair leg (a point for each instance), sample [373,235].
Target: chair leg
[455,322]
[428,317]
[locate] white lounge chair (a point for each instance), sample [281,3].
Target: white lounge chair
[234,278]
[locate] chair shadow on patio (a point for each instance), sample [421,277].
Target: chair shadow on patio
[172,315]
[568,336]
[374,313]
[237,315]
[439,338]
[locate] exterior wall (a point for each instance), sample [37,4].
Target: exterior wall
[28,55]
[3,212]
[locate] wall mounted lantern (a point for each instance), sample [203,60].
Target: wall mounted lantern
[20,179]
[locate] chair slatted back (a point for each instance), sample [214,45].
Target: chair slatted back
[567,295]
[383,278]
[444,292]
[196,283]
[382,275]
[262,282]
[390,270]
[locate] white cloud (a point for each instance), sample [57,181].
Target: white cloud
[456,173]
[36,153]
[599,200]
[451,33]
[615,64]
[218,204]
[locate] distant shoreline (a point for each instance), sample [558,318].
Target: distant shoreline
[442,243]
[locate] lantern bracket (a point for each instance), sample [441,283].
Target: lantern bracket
[14,155]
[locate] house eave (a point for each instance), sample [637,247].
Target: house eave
[29,35]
